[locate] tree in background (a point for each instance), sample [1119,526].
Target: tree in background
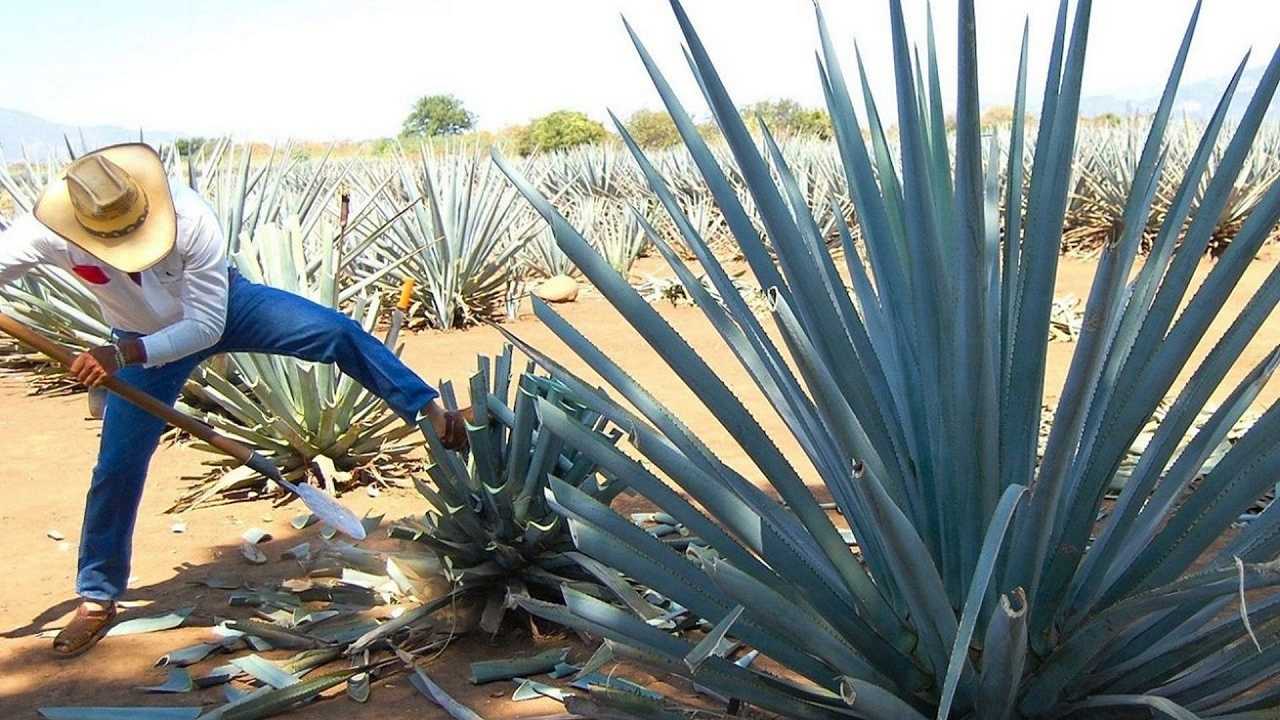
[436,115]
[997,115]
[788,117]
[653,129]
[559,130]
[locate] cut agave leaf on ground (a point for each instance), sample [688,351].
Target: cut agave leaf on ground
[221,581]
[533,690]
[487,671]
[255,536]
[303,521]
[300,552]
[595,681]
[189,655]
[371,523]
[280,699]
[436,694]
[158,623]
[265,671]
[178,681]
[358,688]
[252,554]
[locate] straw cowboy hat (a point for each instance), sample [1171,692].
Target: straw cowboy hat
[114,203]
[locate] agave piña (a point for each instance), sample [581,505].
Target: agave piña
[489,520]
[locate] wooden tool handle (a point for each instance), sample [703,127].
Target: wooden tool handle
[27,336]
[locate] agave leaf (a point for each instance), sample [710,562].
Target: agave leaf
[708,385]
[987,560]
[283,698]
[1081,648]
[428,687]
[265,671]
[1158,706]
[152,624]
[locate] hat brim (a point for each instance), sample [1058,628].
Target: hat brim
[137,250]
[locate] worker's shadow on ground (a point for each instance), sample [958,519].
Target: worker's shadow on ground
[27,662]
[31,677]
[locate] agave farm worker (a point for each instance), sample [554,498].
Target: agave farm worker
[152,253]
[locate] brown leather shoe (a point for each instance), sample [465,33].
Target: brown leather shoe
[84,631]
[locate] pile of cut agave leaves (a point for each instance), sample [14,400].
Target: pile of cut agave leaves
[363,612]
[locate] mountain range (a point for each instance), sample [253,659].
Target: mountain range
[39,139]
[1196,99]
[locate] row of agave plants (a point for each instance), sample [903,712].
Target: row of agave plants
[1105,167]
[985,585]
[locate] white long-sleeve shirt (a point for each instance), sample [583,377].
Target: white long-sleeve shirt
[179,304]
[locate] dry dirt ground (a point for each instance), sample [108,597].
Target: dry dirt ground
[47,449]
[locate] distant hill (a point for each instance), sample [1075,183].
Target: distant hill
[1196,99]
[43,138]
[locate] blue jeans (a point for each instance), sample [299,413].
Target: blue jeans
[259,320]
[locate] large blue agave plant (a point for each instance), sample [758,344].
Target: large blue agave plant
[915,395]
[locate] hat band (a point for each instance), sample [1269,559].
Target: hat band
[119,232]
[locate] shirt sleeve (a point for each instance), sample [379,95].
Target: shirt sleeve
[204,296]
[22,246]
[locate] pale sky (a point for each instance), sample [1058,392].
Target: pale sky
[323,69]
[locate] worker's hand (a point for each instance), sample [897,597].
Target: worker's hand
[94,366]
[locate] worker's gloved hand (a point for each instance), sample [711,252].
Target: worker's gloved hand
[95,365]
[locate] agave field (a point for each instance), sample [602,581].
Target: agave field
[940,545]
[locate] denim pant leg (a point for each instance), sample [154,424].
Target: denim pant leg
[129,439]
[263,319]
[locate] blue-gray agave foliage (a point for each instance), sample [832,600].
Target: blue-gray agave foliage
[457,239]
[916,397]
